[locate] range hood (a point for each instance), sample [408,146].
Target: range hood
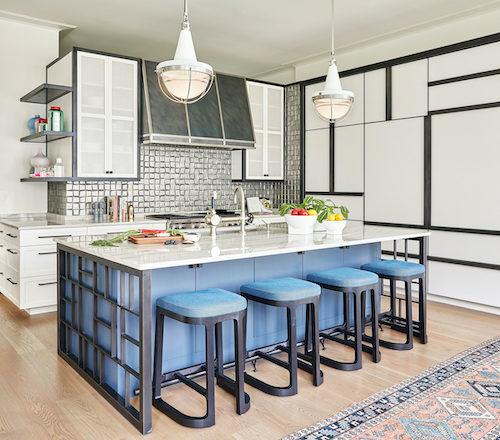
[221,119]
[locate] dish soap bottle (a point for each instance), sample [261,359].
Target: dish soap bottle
[59,168]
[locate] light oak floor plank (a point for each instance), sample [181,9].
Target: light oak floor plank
[41,397]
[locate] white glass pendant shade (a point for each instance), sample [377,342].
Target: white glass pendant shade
[333,103]
[185,79]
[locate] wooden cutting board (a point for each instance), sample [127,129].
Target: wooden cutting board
[152,239]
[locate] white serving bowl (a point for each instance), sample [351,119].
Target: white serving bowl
[192,236]
[335,227]
[300,224]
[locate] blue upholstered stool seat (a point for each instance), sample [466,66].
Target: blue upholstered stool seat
[395,268]
[343,277]
[203,303]
[282,289]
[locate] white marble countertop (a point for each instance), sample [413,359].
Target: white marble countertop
[233,245]
[43,221]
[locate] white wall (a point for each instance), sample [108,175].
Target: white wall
[392,46]
[25,50]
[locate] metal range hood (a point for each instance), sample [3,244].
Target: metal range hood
[221,119]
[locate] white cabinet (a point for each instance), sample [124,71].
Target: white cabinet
[355,84]
[107,122]
[266,161]
[375,95]
[394,171]
[318,161]
[349,159]
[409,89]
[465,157]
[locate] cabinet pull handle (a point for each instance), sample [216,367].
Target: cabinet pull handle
[11,282]
[11,235]
[12,251]
[54,236]
[47,284]
[47,253]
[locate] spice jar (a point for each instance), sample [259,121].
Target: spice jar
[56,119]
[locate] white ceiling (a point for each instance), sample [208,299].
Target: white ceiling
[235,36]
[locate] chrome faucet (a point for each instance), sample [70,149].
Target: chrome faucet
[239,190]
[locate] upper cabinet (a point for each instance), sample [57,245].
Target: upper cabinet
[375,95]
[107,141]
[99,95]
[409,89]
[266,161]
[355,84]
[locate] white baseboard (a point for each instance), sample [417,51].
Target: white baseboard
[451,301]
[39,310]
[464,304]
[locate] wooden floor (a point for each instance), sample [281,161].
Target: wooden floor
[41,397]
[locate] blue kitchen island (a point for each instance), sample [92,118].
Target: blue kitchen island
[107,296]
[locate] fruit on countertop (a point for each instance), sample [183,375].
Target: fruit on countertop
[311,206]
[312,212]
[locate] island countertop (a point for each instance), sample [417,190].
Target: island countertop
[233,245]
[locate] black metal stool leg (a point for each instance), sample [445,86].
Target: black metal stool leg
[292,347]
[242,398]
[422,309]
[392,292]
[219,352]
[375,337]
[315,358]
[358,330]
[347,312]
[363,311]
[210,377]
[409,315]
[158,359]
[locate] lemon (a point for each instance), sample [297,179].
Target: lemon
[312,212]
[331,217]
[339,217]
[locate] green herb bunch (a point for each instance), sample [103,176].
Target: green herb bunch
[115,241]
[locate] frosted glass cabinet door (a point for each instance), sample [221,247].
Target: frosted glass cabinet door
[92,147]
[122,154]
[107,141]
[92,83]
[255,158]
[375,95]
[348,161]
[355,84]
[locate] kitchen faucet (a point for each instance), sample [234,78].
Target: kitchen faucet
[239,190]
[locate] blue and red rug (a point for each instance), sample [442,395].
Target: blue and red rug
[457,399]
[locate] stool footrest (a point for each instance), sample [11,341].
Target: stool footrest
[229,385]
[274,360]
[191,384]
[181,418]
[348,342]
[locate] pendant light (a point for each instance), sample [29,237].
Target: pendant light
[185,79]
[333,103]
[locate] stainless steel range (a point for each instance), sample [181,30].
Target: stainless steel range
[195,220]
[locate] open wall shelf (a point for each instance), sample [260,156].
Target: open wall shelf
[47,136]
[47,179]
[46,93]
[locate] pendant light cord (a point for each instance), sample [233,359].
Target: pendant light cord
[333,32]
[185,19]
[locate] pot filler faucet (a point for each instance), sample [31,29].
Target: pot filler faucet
[239,190]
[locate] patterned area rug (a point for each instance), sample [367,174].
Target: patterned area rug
[457,399]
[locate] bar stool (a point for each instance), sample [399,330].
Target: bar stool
[354,282]
[210,308]
[289,293]
[397,270]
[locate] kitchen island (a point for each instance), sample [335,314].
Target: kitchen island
[107,295]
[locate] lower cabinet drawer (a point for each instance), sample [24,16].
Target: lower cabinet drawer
[38,261]
[12,257]
[39,292]
[41,237]
[12,285]
[10,236]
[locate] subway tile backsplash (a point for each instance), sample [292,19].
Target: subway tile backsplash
[180,178]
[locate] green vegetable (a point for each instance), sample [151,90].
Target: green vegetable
[175,232]
[115,241]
